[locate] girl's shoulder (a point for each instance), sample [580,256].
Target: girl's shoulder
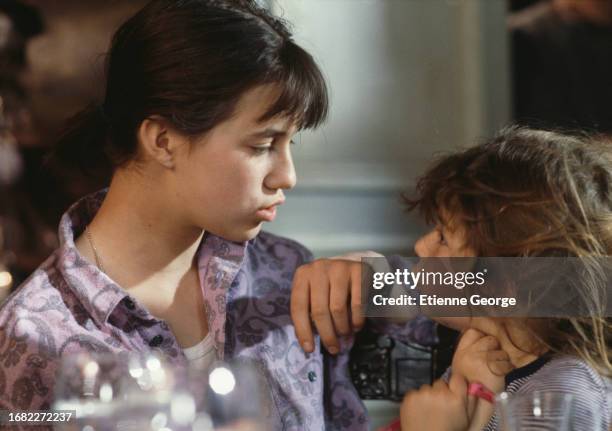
[568,374]
[571,373]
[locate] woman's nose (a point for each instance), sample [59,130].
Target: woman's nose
[283,174]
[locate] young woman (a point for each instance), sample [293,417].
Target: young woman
[202,100]
[525,193]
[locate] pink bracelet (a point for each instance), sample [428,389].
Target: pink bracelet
[393,426]
[481,391]
[477,389]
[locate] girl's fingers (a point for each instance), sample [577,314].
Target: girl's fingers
[457,384]
[468,338]
[497,355]
[486,343]
[440,385]
[499,363]
[472,402]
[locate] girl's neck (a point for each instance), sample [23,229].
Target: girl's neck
[137,236]
[514,337]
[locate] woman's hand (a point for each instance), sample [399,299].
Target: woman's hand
[438,407]
[327,292]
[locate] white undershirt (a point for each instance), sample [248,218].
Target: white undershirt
[202,355]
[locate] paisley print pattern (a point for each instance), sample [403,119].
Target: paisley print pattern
[68,306]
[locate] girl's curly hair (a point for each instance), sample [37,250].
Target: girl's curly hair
[533,192]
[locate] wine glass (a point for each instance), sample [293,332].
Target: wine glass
[87,384]
[237,397]
[541,410]
[144,393]
[123,392]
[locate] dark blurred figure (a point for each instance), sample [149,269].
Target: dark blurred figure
[25,238]
[516,5]
[51,55]
[562,64]
[18,23]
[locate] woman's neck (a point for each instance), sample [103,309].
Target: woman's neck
[136,236]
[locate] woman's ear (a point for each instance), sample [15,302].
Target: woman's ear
[156,141]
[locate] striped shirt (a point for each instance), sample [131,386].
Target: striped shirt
[590,406]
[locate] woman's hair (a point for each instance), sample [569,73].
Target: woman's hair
[534,193]
[189,62]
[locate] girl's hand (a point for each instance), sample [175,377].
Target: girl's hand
[327,292]
[479,358]
[439,407]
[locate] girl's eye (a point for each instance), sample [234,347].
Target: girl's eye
[442,238]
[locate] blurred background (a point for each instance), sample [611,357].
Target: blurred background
[408,79]
[412,78]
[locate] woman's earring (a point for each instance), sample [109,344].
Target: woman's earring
[168,163]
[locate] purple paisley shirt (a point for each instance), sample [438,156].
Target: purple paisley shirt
[68,305]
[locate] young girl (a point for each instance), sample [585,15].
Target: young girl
[525,193]
[202,99]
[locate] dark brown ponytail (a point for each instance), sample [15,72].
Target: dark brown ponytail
[190,61]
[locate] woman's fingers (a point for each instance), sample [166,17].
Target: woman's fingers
[320,311]
[300,310]
[352,267]
[357,315]
[326,292]
[339,279]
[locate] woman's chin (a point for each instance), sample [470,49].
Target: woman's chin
[241,235]
[252,233]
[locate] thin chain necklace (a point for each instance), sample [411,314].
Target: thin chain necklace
[93,247]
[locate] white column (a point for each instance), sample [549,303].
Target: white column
[408,78]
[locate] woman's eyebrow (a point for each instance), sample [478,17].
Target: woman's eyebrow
[269,133]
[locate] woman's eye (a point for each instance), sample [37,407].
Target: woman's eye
[261,150]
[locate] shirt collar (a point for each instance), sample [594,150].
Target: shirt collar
[219,261]
[97,292]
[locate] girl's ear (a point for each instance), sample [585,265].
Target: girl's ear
[156,141]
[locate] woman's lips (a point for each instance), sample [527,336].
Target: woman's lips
[267,214]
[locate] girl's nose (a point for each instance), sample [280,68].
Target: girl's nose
[423,246]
